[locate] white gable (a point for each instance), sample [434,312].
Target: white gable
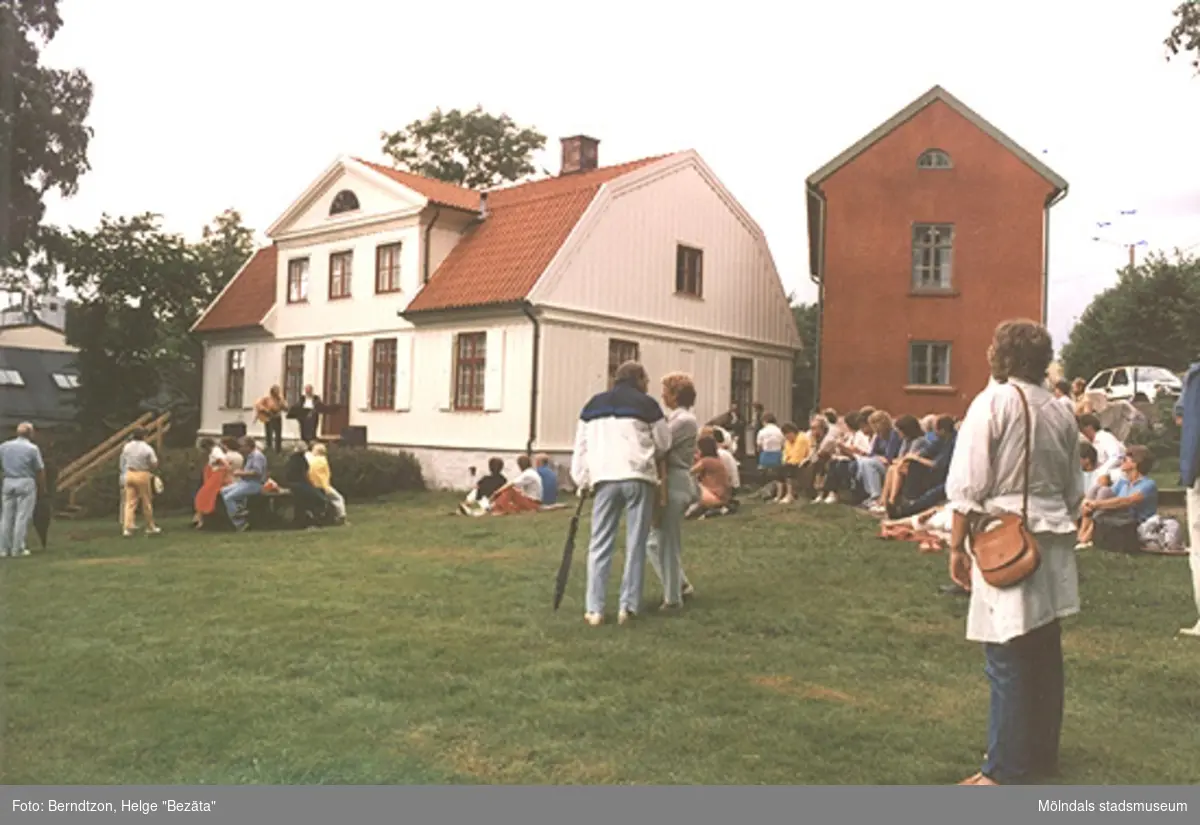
[375,194]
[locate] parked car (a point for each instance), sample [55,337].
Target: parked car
[1136,384]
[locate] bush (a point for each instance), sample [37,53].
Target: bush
[358,474]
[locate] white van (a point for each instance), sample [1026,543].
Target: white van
[1136,384]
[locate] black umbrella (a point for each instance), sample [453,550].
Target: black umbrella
[564,569]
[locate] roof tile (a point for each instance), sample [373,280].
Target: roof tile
[248,298]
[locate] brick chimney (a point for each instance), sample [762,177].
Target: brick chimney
[579,154]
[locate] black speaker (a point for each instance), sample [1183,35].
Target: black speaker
[354,436]
[234,430]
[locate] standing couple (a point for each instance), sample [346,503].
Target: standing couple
[637,460]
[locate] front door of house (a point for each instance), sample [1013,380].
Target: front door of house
[337,388]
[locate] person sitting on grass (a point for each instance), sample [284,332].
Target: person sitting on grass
[1113,521]
[549,479]
[840,476]
[885,450]
[924,477]
[796,450]
[712,480]
[725,453]
[320,477]
[521,495]
[1087,465]
[480,499]
[770,444]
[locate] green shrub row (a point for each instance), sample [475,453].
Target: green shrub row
[358,474]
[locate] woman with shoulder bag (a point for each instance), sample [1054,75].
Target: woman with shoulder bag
[1015,490]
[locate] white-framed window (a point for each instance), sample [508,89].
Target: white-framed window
[66,381]
[935,159]
[11,378]
[470,371]
[932,256]
[297,281]
[929,364]
[235,379]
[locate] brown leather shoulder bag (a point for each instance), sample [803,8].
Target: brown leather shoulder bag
[1004,549]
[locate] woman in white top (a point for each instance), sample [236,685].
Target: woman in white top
[1019,625]
[769,442]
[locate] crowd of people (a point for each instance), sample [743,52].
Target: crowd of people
[1021,448]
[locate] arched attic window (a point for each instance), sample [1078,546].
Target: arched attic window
[934,159]
[344,201]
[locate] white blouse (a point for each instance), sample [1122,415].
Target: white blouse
[986,475]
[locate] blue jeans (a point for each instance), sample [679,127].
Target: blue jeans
[19,496]
[1025,720]
[636,499]
[872,472]
[235,496]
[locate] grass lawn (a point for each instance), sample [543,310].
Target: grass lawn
[413,647]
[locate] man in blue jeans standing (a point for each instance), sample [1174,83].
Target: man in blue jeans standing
[621,435]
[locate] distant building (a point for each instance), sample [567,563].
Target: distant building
[923,236]
[457,324]
[38,376]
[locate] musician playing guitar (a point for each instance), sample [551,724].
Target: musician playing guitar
[269,411]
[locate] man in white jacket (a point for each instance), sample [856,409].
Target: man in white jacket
[621,436]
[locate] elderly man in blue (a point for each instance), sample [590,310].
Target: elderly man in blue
[1188,416]
[24,480]
[250,481]
[621,436]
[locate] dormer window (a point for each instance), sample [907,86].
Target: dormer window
[934,159]
[344,201]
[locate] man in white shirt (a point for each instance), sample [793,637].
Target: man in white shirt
[1110,452]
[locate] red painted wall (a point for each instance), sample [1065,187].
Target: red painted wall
[996,203]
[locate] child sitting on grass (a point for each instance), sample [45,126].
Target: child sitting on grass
[713,480]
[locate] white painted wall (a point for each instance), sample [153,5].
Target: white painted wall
[575,366]
[423,417]
[374,197]
[622,261]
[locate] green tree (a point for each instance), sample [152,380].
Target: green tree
[139,291]
[804,371]
[43,139]
[1185,36]
[473,149]
[1149,317]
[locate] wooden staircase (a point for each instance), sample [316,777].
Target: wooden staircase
[75,475]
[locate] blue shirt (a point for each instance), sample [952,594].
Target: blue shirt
[1145,508]
[888,447]
[21,458]
[256,463]
[549,485]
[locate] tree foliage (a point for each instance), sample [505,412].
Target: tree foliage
[473,149]
[1185,36]
[804,370]
[43,139]
[1149,318]
[140,289]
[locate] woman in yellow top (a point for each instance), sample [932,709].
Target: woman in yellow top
[319,476]
[797,447]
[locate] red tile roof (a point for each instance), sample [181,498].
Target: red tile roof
[502,257]
[438,192]
[497,262]
[248,298]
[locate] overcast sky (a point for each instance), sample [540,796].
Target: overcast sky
[201,106]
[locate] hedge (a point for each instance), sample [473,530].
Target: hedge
[358,474]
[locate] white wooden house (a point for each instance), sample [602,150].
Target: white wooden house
[458,325]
